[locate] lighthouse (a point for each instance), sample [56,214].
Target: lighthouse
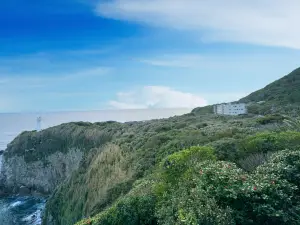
[38,123]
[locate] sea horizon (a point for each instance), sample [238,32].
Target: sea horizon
[12,124]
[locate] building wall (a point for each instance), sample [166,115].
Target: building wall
[230,109]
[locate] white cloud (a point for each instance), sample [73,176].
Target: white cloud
[156,97]
[266,22]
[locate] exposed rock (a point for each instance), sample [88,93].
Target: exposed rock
[24,190]
[1,152]
[42,177]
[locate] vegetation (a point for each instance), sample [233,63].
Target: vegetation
[35,145]
[270,119]
[281,96]
[161,153]
[283,92]
[212,192]
[197,168]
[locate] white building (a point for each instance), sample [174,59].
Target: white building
[230,109]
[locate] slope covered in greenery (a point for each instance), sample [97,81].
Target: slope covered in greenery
[110,173]
[197,168]
[283,91]
[281,96]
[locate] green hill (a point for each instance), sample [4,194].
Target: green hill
[281,96]
[283,91]
[198,168]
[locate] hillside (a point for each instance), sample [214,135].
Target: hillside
[112,157]
[127,168]
[197,168]
[112,170]
[283,91]
[281,96]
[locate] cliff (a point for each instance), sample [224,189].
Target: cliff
[110,171]
[40,161]
[39,176]
[114,172]
[88,168]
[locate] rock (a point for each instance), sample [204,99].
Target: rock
[15,190]
[24,190]
[1,152]
[42,177]
[36,193]
[2,193]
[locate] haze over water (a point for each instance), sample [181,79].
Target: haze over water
[13,124]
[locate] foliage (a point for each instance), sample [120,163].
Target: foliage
[282,91]
[225,149]
[203,110]
[216,192]
[176,164]
[270,119]
[138,210]
[252,161]
[105,179]
[137,154]
[38,145]
[118,154]
[137,207]
[221,193]
[286,164]
[269,142]
[292,123]
[153,172]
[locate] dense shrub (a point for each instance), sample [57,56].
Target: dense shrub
[143,146]
[269,142]
[137,210]
[286,164]
[251,162]
[213,192]
[276,118]
[292,123]
[221,193]
[36,146]
[176,164]
[225,149]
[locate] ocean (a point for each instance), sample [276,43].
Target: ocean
[13,124]
[16,210]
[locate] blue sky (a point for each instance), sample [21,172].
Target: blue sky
[88,55]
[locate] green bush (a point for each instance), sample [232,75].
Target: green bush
[176,164]
[221,193]
[286,164]
[143,145]
[270,119]
[268,142]
[137,210]
[225,149]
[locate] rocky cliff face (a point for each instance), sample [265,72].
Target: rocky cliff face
[39,176]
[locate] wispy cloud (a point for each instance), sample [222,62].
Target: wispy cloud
[40,80]
[176,60]
[18,93]
[156,97]
[264,22]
